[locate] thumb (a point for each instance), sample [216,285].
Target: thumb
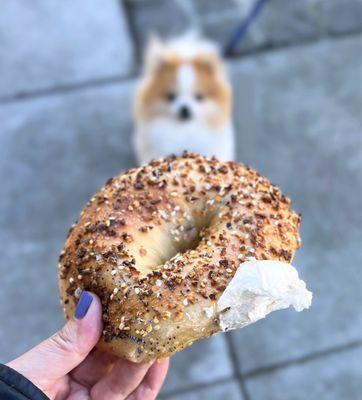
[58,355]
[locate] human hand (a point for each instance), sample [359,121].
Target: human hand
[67,367]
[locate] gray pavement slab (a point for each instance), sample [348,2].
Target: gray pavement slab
[298,117]
[29,307]
[44,44]
[280,22]
[56,151]
[207,8]
[341,16]
[334,377]
[223,391]
[164,17]
[204,362]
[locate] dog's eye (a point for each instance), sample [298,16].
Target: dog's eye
[199,96]
[171,96]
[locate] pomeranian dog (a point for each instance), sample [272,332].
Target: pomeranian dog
[183,101]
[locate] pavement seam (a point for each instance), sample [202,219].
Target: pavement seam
[234,362]
[67,88]
[197,386]
[302,360]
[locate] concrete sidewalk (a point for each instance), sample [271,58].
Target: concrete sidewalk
[66,126]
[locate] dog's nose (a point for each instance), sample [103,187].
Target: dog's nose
[184,113]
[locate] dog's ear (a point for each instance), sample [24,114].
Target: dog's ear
[210,63]
[154,53]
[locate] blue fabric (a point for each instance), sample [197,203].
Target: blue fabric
[14,386]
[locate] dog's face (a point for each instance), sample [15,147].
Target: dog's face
[184,89]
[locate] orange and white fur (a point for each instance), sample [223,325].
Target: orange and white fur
[183,101]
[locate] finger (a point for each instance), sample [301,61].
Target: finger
[152,382]
[122,380]
[56,356]
[61,388]
[93,368]
[77,392]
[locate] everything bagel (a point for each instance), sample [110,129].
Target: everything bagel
[161,243]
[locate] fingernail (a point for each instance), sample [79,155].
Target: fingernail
[83,305]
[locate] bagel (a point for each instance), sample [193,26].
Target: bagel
[180,249]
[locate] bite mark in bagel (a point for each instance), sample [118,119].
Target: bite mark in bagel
[179,249]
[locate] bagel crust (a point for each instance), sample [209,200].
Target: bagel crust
[159,244]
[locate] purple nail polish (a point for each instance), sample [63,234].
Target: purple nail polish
[83,305]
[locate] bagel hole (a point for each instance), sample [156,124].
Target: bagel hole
[190,244]
[192,235]
[192,241]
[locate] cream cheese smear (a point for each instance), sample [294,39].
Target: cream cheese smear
[258,288]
